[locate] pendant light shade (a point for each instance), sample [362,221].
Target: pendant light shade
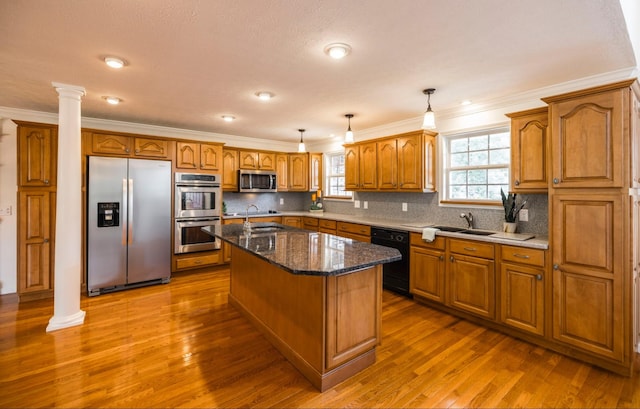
[301,147]
[348,137]
[429,121]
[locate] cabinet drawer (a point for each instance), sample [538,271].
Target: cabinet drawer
[310,222]
[327,224]
[198,261]
[416,240]
[523,255]
[359,229]
[471,248]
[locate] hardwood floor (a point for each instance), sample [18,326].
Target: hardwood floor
[182,345]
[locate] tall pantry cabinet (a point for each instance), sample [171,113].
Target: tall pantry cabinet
[593,221]
[37,168]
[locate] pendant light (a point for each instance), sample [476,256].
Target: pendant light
[348,137]
[301,148]
[429,121]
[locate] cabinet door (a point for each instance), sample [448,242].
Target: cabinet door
[315,171]
[387,164]
[352,167]
[588,255]
[37,154]
[187,155]
[292,221]
[154,148]
[529,152]
[298,172]
[472,285]
[429,162]
[282,172]
[522,296]
[111,144]
[367,166]
[230,170]
[35,233]
[410,162]
[249,160]
[587,140]
[210,156]
[267,161]
[427,274]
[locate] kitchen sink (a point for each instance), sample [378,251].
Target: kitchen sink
[265,227]
[449,228]
[477,232]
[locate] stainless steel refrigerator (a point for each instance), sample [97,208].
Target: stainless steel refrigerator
[128,223]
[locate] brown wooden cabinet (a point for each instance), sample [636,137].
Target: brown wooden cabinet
[230,170]
[387,161]
[310,223]
[471,275]
[292,221]
[360,166]
[427,268]
[315,171]
[110,144]
[151,148]
[282,172]
[298,172]
[37,168]
[522,292]
[355,231]
[327,226]
[103,143]
[529,147]
[257,160]
[199,156]
[591,224]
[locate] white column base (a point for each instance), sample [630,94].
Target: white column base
[56,323]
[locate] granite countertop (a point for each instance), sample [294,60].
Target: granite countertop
[305,252]
[416,226]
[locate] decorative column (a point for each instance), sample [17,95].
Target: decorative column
[68,244]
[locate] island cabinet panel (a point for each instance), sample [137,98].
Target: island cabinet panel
[529,147]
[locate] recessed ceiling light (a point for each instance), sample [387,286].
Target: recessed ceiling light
[114,62]
[265,95]
[466,102]
[337,50]
[228,118]
[112,100]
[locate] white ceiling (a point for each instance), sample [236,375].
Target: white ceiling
[191,61]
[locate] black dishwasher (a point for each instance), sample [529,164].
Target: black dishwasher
[395,276]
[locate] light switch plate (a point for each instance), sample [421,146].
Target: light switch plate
[523,216]
[356,204]
[404,207]
[365,204]
[282,200]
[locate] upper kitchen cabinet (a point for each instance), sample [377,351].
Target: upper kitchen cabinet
[257,160]
[404,162]
[282,172]
[529,148]
[298,172]
[315,171]
[590,137]
[199,156]
[136,146]
[230,169]
[37,154]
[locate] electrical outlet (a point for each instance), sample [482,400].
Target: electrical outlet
[356,204]
[523,216]
[282,200]
[404,207]
[5,211]
[365,204]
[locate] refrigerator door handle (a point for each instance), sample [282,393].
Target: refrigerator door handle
[124,212]
[130,212]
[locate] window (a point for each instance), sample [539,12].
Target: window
[476,166]
[335,176]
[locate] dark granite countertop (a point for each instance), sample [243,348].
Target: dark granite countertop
[305,252]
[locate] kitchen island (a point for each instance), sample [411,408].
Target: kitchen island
[317,297]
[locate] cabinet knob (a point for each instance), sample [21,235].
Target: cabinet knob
[126,150]
[556,180]
[556,267]
[451,258]
[539,277]
[441,258]
[46,240]
[137,150]
[46,181]
[517,183]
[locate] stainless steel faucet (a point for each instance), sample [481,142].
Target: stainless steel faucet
[247,225]
[469,218]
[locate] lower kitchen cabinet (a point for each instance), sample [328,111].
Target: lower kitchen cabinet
[197,260]
[471,273]
[522,291]
[292,221]
[354,231]
[310,223]
[327,226]
[427,268]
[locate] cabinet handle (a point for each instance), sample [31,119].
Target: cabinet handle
[46,181]
[137,150]
[470,248]
[451,258]
[198,262]
[556,267]
[441,258]
[556,180]
[46,240]
[517,183]
[126,150]
[521,255]
[539,277]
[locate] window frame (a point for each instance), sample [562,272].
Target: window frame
[446,168]
[328,176]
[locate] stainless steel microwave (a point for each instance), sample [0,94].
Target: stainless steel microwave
[256,181]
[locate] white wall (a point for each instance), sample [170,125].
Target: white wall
[8,198]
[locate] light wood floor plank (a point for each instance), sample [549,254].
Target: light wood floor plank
[183,345]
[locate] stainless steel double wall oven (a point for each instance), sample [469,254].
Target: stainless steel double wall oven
[198,203]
